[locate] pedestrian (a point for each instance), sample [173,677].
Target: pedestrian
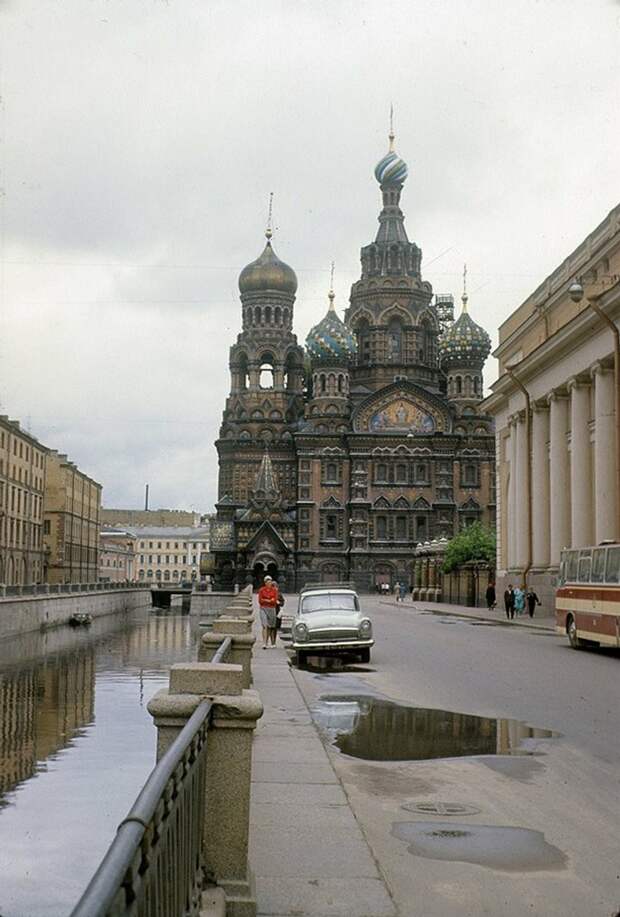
[509,602]
[532,601]
[519,601]
[397,591]
[491,598]
[268,604]
[279,607]
[402,588]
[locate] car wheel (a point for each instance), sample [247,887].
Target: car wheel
[301,659]
[571,633]
[365,656]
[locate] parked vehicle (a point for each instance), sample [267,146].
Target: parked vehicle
[587,604]
[329,622]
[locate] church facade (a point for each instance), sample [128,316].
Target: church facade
[336,461]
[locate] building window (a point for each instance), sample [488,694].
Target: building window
[381,474]
[46,527]
[401,473]
[421,474]
[401,528]
[381,528]
[470,475]
[331,526]
[420,529]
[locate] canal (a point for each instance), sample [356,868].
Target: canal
[76,745]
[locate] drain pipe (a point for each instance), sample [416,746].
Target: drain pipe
[528,441]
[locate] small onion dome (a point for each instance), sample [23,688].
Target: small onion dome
[464,344]
[391,170]
[268,273]
[331,341]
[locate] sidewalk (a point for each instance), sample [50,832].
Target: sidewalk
[307,850]
[498,616]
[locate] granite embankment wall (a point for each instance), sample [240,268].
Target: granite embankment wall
[22,614]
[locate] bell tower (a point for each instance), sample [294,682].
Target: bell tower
[266,381]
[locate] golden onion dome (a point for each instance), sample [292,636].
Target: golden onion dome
[268,273]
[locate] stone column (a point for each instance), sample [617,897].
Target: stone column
[559,490]
[522,508]
[540,486]
[604,454]
[511,518]
[580,464]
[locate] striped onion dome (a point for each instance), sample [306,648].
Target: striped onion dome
[391,170]
[331,341]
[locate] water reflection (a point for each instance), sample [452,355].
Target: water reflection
[380,730]
[76,744]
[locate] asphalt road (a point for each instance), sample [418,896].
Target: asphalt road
[560,793]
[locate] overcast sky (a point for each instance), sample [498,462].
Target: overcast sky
[141,139]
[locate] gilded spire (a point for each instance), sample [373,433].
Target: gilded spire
[464,297]
[331,295]
[269,231]
[391,135]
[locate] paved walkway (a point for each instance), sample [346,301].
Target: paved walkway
[307,850]
[538,622]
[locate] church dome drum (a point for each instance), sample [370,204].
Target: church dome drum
[268,273]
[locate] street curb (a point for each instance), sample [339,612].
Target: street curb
[473,617]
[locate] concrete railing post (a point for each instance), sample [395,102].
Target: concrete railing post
[243,641]
[228,771]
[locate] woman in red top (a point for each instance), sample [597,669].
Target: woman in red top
[268,603]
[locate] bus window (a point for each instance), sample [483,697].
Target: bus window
[585,560]
[612,572]
[598,565]
[571,566]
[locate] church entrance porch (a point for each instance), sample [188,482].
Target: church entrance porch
[263,568]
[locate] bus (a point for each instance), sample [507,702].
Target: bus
[587,602]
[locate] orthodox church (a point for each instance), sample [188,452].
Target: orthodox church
[336,461]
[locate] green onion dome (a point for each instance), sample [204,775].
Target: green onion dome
[268,273]
[464,344]
[331,341]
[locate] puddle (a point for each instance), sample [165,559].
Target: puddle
[375,729]
[495,846]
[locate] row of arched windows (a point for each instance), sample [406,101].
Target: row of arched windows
[422,347]
[274,316]
[464,385]
[330,384]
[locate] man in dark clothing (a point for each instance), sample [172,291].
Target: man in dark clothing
[509,602]
[532,601]
[490,596]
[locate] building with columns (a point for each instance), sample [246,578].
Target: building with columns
[336,463]
[561,352]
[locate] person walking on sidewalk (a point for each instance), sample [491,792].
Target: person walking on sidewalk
[402,588]
[532,601]
[268,604]
[491,597]
[519,601]
[279,607]
[509,602]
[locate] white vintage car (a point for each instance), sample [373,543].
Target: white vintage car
[329,622]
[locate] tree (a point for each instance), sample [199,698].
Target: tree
[474,544]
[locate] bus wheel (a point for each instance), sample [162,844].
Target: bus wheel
[571,633]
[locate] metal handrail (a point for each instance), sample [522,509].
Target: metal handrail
[102,891]
[223,650]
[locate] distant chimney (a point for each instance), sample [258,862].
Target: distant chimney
[146,496]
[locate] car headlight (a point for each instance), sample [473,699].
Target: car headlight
[365,629]
[300,632]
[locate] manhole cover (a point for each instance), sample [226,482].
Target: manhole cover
[441,808]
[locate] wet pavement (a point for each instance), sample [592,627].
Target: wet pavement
[480,765]
[76,745]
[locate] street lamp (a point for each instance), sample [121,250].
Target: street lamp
[576,293]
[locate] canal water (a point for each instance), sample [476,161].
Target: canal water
[76,745]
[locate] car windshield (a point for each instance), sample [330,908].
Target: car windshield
[329,601]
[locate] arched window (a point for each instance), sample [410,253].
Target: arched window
[340,383]
[244,378]
[382,474]
[285,316]
[265,379]
[401,473]
[323,383]
[381,528]
[459,385]
[476,386]
[257,315]
[278,315]
[267,315]
[331,473]
[362,333]
[395,341]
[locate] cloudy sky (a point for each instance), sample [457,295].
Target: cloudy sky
[141,139]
